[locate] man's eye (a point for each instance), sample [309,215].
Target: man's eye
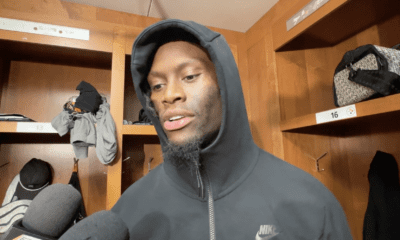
[156,87]
[191,77]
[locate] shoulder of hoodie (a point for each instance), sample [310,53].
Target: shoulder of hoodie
[142,197]
[146,187]
[286,177]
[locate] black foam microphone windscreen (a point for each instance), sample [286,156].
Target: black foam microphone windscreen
[53,210]
[99,226]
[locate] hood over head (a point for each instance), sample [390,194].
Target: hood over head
[228,159]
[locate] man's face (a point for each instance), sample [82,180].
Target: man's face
[184,87]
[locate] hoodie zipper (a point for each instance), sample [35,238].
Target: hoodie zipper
[211,211]
[200,186]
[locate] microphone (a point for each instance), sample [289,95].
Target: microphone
[98,226]
[53,210]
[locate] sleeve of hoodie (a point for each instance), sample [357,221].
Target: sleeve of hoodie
[335,222]
[83,135]
[106,143]
[62,123]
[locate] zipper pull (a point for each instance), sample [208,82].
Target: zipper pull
[200,185]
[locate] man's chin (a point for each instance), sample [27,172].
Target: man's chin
[185,151]
[182,136]
[202,141]
[182,153]
[183,141]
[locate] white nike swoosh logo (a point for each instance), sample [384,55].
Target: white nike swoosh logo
[266,237]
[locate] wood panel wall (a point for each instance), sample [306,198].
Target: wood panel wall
[296,83]
[39,90]
[276,85]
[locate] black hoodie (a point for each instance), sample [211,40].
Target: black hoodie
[254,195]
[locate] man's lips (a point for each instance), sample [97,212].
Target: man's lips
[177,124]
[174,113]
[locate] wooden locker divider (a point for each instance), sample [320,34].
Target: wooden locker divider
[116,109]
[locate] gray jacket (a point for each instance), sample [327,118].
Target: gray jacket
[85,133]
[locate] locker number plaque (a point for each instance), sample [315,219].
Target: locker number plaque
[336,114]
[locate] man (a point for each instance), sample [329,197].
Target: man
[215,183]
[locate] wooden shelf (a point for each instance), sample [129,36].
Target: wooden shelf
[31,133]
[334,22]
[26,127]
[365,112]
[25,51]
[139,130]
[100,33]
[8,127]
[46,128]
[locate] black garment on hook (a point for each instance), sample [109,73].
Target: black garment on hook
[74,181]
[143,118]
[89,99]
[382,218]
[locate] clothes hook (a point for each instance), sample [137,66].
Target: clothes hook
[76,160]
[151,159]
[124,161]
[317,161]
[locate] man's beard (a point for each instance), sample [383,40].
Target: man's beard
[187,155]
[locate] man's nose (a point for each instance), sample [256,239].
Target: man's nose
[174,92]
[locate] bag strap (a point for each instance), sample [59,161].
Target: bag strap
[383,82]
[397,46]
